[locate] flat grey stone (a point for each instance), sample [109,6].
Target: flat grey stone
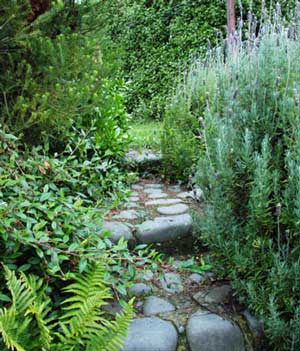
[196,278]
[217,294]
[210,275]
[153,191]
[146,275]
[210,332]
[142,156]
[151,334]
[133,198]
[134,193]
[159,195]
[139,306]
[185,194]
[137,187]
[181,329]
[118,230]
[113,308]
[198,194]
[173,210]
[256,326]
[175,188]
[163,202]
[171,282]
[164,228]
[127,214]
[156,305]
[140,289]
[153,186]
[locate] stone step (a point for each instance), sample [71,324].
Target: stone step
[151,334]
[145,159]
[173,210]
[163,202]
[210,332]
[117,231]
[164,229]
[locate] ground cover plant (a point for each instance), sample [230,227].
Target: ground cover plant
[50,221]
[246,103]
[63,132]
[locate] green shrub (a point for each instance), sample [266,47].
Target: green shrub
[52,80]
[183,120]
[157,39]
[249,171]
[51,212]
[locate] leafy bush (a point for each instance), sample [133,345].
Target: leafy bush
[181,137]
[51,211]
[249,171]
[51,79]
[182,120]
[53,196]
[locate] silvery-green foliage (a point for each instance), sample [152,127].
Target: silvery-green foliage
[249,171]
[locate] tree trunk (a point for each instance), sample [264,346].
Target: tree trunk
[230,18]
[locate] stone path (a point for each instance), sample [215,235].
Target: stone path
[176,309]
[156,215]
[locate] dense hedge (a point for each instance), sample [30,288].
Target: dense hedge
[158,38]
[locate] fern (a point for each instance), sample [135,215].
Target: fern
[83,323]
[7,326]
[25,325]
[116,332]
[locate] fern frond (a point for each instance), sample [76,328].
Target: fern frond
[21,296]
[112,337]
[83,317]
[24,325]
[7,329]
[40,308]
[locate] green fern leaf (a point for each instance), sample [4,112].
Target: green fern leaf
[116,331]
[7,324]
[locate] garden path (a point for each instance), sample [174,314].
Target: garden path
[179,305]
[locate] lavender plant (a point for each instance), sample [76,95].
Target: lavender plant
[246,100]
